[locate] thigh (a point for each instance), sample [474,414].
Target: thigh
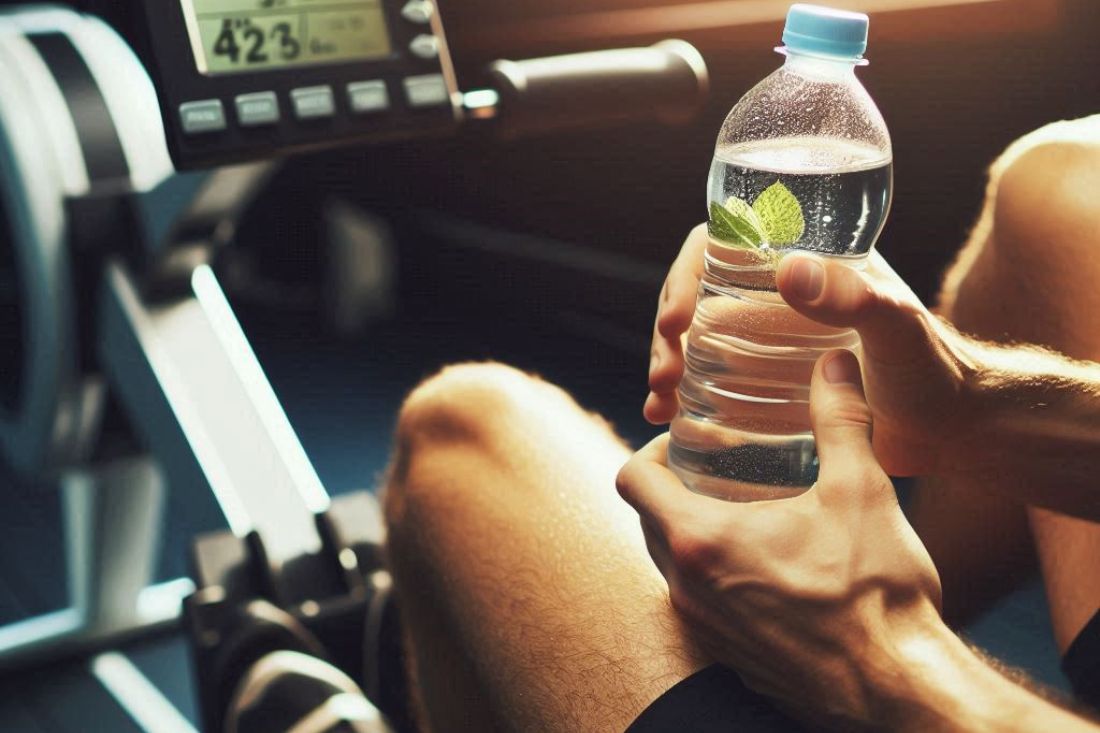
[509,538]
[1068,552]
[981,545]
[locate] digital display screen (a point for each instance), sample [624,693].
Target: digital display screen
[234,36]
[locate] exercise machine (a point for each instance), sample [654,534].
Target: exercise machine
[132,137]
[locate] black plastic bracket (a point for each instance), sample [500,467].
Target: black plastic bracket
[244,606]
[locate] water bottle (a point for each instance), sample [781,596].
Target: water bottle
[803,163]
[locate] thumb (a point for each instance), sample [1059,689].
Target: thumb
[841,418]
[893,329]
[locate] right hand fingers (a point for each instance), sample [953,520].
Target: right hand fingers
[675,311]
[893,325]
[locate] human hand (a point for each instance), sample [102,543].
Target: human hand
[806,596]
[918,370]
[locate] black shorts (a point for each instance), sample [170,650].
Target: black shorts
[1081,664]
[714,700]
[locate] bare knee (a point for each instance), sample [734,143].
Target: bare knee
[469,413]
[1027,272]
[1046,215]
[470,402]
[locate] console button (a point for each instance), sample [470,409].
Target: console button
[254,110]
[206,115]
[425,47]
[418,11]
[311,103]
[365,97]
[427,91]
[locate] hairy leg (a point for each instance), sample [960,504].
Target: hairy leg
[1028,275]
[529,597]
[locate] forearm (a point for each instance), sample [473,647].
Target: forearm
[930,680]
[1036,433]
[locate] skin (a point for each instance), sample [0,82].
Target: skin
[826,602]
[994,428]
[526,593]
[902,440]
[944,403]
[1017,424]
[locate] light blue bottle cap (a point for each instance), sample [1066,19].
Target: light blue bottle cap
[819,30]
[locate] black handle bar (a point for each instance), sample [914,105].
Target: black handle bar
[667,82]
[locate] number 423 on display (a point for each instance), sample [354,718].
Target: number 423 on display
[242,40]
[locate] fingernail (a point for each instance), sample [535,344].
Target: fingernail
[807,279]
[843,369]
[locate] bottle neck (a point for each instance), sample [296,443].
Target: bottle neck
[821,67]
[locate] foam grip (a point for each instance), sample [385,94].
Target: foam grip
[667,82]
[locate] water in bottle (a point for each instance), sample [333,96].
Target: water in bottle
[803,162]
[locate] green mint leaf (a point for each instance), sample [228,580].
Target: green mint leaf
[733,229]
[781,215]
[741,209]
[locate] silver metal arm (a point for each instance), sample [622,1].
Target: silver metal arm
[193,387]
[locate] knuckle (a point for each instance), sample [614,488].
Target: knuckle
[858,487]
[895,318]
[665,382]
[671,322]
[622,480]
[695,553]
[658,381]
[681,602]
[867,302]
[627,477]
[873,481]
[846,413]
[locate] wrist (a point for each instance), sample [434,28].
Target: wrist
[926,678]
[967,448]
[885,680]
[929,688]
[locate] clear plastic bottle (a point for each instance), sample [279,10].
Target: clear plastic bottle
[803,162]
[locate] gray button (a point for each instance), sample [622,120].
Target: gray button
[427,91]
[207,115]
[261,108]
[425,46]
[418,11]
[311,103]
[368,96]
